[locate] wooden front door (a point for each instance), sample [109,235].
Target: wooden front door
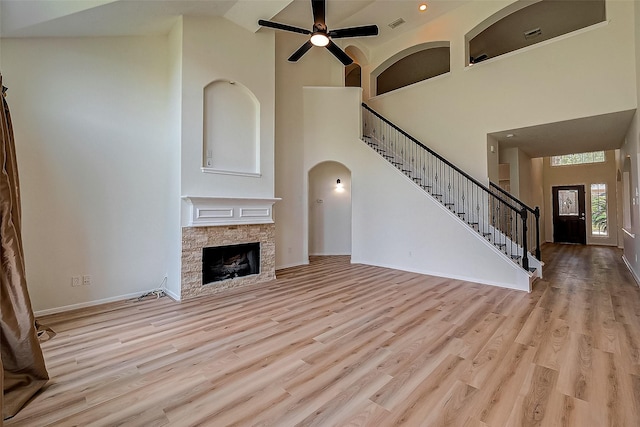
[569,224]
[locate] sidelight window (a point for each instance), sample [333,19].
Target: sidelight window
[599,210]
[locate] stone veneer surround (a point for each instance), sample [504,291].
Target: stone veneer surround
[196,238]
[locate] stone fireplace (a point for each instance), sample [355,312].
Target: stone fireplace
[241,225]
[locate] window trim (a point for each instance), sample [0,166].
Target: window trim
[606,200]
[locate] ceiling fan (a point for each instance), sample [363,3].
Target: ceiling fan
[320,35]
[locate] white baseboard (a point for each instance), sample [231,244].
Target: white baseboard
[172,295]
[62,309]
[633,273]
[332,254]
[526,287]
[295,264]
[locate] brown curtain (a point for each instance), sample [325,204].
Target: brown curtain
[23,365]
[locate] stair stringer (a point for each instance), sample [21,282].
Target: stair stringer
[438,189]
[408,229]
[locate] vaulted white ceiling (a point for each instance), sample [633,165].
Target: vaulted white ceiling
[90,18]
[76,18]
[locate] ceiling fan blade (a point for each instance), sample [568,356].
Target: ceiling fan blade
[301,51]
[339,53]
[366,30]
[283,27]
[318,7]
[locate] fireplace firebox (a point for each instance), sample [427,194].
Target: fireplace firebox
[228,262]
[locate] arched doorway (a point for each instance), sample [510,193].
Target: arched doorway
[329,209]
[353,75]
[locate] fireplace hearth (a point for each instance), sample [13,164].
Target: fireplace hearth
[230,262]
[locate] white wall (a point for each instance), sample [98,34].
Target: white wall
[93,144]
[316,68]
[553,81]
[631,148]
[174,243]
[110,136]
[537,194]
[216,49]
[579,75]
[329,209]
[524,178]
[510,156]
[395,223]
[493,159]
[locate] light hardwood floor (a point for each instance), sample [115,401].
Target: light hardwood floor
[352,345]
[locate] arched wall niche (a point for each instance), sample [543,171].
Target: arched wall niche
[525,23]
[412,65]
[231,129]
[499,15]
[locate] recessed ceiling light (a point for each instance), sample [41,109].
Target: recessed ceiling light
[422,7]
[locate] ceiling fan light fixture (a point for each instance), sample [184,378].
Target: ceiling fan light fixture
[320,36]
[319,39]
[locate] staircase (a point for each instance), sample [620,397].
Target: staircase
[501,219]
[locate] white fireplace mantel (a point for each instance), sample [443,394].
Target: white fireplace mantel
[208,211]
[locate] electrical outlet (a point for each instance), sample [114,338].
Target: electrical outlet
[75,281]
[86,280]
